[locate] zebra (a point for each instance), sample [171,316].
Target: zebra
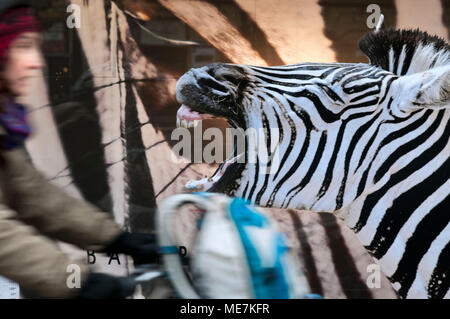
[367,142]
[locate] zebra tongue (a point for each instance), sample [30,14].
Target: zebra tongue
[186,113]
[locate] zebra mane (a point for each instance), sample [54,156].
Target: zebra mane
[405,51]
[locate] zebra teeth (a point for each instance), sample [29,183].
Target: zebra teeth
[235,159]
[195,184]
[187,123]
[191,124]
[202,184]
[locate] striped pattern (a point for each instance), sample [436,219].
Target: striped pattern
[349,145]
[99,178]
[306,100]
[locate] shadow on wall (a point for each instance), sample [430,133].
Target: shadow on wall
[446,15]
[346,22]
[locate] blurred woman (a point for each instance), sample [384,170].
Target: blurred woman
[34,212]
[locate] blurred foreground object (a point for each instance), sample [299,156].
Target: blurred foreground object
[237,252]
[103,286]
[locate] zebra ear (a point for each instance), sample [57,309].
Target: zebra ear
[428,89]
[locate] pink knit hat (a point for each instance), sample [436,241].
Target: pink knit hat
[13,22]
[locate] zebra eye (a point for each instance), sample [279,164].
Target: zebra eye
[239,82]
[205,82]
[232,79]
[229,77]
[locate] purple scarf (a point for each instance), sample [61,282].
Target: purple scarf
[12,119]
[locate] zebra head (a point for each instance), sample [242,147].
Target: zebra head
[323,121]
[217,91]
[369,142]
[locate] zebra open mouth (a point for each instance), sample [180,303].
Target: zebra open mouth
[204,95]
[188,118]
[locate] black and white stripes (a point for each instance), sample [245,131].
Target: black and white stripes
[368,142]
[318,97]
